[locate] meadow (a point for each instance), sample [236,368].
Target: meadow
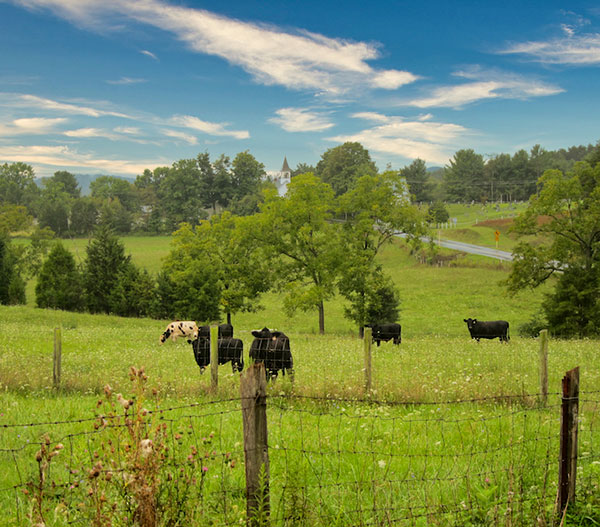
[482,452]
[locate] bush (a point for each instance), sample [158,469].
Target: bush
[438,213]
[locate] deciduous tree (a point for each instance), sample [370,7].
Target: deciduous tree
[342,165]
[305,246]
[565,218]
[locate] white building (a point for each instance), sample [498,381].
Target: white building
[281,178]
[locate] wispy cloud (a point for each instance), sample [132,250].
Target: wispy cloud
[582,50]
[148,54]
[298,60]
[33,126]
[126,81]
[194,123]
[42,157]
[301,120]
[18,100]
[486,85]
[188,138]
[88,133]
[420,138]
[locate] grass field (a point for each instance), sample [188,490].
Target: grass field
[419,459]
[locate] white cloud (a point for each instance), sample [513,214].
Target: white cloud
[188,138]
[126,81]
[28,101]
[86,133]
[149,54]
[30,126]
[301,120]
[582,50]
[194,123]
[486,85]
[129,130]
[297,60]
[431,141]
[42,157]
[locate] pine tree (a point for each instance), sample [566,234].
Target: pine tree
[59,283]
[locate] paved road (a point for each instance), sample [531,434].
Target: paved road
[475,249]
[470,248]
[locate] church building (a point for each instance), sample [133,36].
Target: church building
[281,178]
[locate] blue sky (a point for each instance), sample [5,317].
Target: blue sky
[117,86]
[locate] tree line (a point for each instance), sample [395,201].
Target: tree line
[320,239]
[221,266]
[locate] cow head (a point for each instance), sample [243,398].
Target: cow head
[264,333]
[165,335]
[471,322]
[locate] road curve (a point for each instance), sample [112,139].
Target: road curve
[469,248]
[475,249]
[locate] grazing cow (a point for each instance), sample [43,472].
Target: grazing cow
[386,332]
[229,350]
[180,328]
[488,330]
[272,348]
[225,331]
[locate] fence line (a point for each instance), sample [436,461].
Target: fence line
[340,461]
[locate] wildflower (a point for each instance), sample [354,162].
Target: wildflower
[146,447]
[381,463]
[204,469]
[122,401]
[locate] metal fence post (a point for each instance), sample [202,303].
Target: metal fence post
[253,388]
[544,366]
[57,358]
[367,348]
[214,357]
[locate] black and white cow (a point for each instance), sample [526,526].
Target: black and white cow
[488,330]
[180,328]
[385,332]
[229,350]
[272,348]
[225,331]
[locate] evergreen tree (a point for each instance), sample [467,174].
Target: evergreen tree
[133,293]
[12,286]
[417,180]
[105,260]
[59,283]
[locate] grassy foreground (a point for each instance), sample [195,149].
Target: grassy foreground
[419,459]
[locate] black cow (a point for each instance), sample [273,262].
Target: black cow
[392,331]
[229,349]
[272,348]
[225,331]
[488,330]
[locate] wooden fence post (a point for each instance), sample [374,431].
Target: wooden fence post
[253,388]
[367,347]
[214,357]
[568,440]
[57,359]
[544,365]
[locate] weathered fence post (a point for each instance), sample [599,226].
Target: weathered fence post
[253,388]
[568,440]
[214,357]
[367,347]
[544,365]
[57,358]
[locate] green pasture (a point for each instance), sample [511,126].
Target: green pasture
[333,462]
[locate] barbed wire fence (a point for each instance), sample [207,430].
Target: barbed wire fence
[291,460]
